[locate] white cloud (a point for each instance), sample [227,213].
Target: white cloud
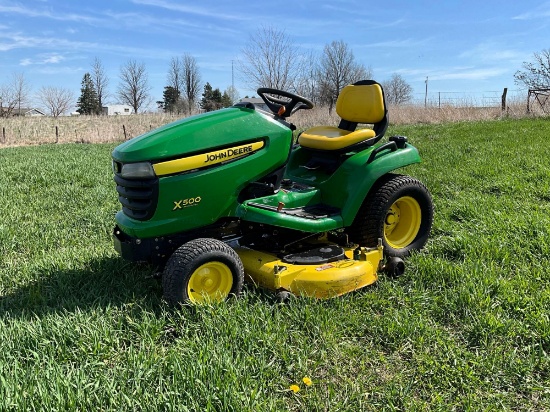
[33,12]
[44,58]
[492,52]
[188,9]
[454,73]
[408,43]
[11,41]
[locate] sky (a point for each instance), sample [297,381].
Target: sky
[464,48]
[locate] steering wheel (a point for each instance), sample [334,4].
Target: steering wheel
[283,108]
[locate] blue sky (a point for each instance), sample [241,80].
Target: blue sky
[468,47]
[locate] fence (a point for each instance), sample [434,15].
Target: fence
[468,99]
[81,129]
[438,107]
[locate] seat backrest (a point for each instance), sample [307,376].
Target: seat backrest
[362,102]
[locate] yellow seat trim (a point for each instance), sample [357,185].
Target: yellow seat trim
[357,103]
[332,138]
[361,103]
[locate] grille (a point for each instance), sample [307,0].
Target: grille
[138,197]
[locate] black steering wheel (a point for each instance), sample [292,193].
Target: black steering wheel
[283,108]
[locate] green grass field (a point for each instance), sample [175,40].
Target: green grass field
[466,328]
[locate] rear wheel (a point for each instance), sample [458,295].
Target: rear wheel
[202,270]
[398,210]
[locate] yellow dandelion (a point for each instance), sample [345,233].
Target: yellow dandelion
[307,381]
[294,388]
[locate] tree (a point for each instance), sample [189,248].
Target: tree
[307,83]
[226,100]
[133,88]
[397,90]
[184,79]
[171,99]
[100,82]
[88,102]
[270,60]
[191,80]
[207,102]
[232,94]
[536,75]
[8,100]
[56,99]
[21,89]
[173,102]
[213,99]
[175,74]
[14,95]
[336,69]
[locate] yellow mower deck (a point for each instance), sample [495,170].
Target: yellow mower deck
[321,281]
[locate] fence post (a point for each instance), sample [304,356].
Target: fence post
[4,135]
[124,129]
[504,99]
[56,134]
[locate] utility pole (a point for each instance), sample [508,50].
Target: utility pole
[426,95]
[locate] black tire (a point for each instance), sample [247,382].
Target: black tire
[398,210]
[202,270]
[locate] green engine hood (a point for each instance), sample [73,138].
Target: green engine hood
[199,133]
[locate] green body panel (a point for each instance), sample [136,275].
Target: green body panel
[347,187]
[201,133]
[200,197]
[214,190]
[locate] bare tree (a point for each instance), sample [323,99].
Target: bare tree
[56,99]
[307,82]
[173,102]
[133,88]
[270,59]
[100,81]
[175,75]
[191,80]
[336,69]
[14,95]
[397,90]
[536,75]
[232,94]
[8,100]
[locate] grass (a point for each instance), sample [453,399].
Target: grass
[466,328]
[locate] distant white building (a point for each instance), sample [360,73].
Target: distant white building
[117,109]
[27,112]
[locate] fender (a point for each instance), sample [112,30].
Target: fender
[368,173]
[348,186]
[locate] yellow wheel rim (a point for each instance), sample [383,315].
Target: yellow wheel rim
[210,282]
[402,222]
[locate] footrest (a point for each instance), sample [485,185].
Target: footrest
[313,212]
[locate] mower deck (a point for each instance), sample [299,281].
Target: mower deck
[356,269]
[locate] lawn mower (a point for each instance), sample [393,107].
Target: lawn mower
[227,196]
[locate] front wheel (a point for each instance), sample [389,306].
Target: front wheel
[202,270]
[398,210]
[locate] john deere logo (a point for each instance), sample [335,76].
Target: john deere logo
[198,161]
[228,154]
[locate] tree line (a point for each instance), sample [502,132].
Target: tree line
[269,59]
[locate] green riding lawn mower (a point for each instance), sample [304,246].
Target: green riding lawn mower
[228,196]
